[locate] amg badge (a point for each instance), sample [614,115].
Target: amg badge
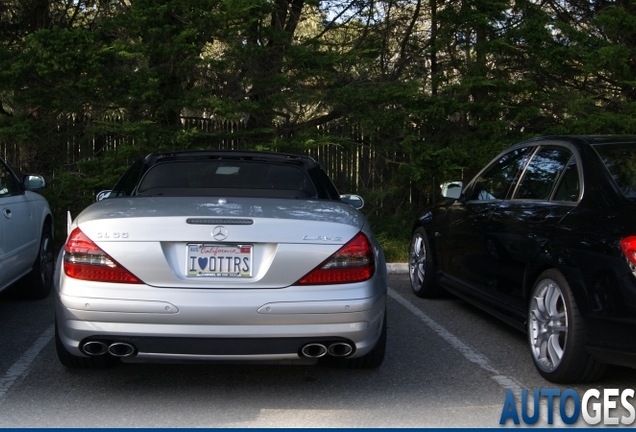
[322,238]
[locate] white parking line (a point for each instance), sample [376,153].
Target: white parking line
[469,353]
[20,367]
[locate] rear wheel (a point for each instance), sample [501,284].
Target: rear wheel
[37,284]
[556,333]
[76,362]
[421,267]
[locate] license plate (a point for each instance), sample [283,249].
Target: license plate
[206,260]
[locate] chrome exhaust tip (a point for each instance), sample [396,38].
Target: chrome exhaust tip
[314,350]
[340,349]
[121,349]
[94,348]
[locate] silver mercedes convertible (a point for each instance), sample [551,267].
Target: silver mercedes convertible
[221,256]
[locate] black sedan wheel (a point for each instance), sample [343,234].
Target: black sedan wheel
[421,267]
[556,333]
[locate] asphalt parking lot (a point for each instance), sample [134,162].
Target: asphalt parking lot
[447,365]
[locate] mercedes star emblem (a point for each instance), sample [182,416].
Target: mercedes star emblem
[220,233]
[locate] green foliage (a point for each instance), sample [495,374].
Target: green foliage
[431,90]
[394,234]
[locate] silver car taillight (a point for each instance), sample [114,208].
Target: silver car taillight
[83,259]
[354,262]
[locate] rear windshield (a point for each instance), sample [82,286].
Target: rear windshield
[230,178]
[620,160]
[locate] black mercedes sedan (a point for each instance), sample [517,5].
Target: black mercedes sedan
[544,238]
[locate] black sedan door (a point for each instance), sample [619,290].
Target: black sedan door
[520,229]
[496,231]
[462,235]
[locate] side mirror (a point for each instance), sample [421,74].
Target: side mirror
[103,195]
[452,189]
[33,182]
[354,201]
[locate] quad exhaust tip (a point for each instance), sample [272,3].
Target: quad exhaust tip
[116,349]
[95,348]
[336,349]
[121,349]
[314,350]
[124,349]
[340,349]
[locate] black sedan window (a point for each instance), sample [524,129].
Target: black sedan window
[620,160]
[569,187]
[542,173]
[495,182]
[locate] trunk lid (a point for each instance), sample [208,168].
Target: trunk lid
[167,241]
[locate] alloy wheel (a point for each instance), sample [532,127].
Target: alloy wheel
[417,261]
[548,325]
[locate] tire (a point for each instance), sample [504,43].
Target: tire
[37,284]
[372,360]
[421,267]
[75,362]
[556,333]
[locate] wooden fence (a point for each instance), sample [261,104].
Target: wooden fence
[359,166]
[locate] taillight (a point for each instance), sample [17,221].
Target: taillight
[354,262]
[84,260]
[628,245]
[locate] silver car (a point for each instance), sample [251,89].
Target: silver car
[221,256]
[26,235]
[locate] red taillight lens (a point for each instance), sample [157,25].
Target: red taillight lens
[628,245]
[354,262]
[84,260]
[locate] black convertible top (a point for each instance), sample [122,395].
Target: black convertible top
[227,173]
[245,155]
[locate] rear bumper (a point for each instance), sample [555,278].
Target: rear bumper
[611,339]
[613,356]
[164,324]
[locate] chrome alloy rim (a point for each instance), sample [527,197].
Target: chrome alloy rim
[548,325]
[417,261]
